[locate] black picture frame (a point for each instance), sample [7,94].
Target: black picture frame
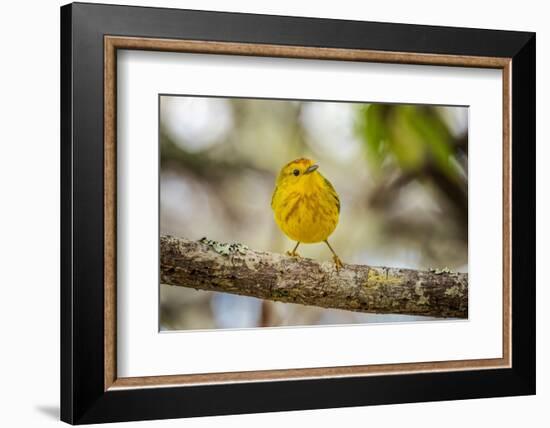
[83,396]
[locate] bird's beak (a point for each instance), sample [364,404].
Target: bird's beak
[311,169]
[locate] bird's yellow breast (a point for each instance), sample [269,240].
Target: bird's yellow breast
[306,210]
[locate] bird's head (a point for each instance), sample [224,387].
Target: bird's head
[299,171]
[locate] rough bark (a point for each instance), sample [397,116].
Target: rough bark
[209,265]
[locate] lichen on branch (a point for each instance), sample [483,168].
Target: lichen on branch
[236,269]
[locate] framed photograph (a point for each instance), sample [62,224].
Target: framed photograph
[267,213]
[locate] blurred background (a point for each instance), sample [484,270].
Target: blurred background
[401,172]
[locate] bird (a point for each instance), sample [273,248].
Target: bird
[305,205]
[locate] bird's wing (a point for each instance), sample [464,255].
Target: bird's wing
[273,196]
[333,193]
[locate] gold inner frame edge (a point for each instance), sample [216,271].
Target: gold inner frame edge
[113,43]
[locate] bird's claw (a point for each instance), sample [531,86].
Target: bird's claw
[337,262]
[293,254]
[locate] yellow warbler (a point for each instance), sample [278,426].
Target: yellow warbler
[305,205]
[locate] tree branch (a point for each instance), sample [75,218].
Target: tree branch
[208,265]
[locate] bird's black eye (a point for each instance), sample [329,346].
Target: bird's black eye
[296,172]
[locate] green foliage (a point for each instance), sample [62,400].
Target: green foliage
[373,130]
[406,136]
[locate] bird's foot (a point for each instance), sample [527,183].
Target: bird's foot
[337,262]
[293,254]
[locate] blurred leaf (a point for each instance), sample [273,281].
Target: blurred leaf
[437,138]
[407,146]
[372,130]
[412,136]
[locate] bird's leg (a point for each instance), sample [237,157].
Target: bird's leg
[335,257]
[293,253]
